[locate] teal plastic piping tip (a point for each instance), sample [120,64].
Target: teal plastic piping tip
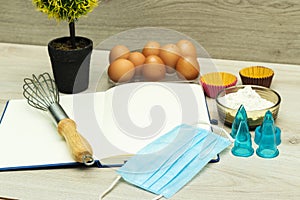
[267,145]
[268,119]
[241,115]
[242,144]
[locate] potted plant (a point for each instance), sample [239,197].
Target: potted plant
[70,56]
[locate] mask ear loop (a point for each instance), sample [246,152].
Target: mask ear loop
[224,131]
[114,183]
[213,127]
[216,127]
[158,197]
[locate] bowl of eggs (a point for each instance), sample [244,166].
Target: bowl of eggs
[154,62]
[257,100]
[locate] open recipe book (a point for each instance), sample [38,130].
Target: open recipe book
[117,123]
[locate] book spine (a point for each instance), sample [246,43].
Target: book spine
[2,116]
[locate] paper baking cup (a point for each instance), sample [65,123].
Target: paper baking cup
[214,82]
[257,75]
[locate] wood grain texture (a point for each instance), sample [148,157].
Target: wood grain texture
[232,178]
[256,30]
[79,147]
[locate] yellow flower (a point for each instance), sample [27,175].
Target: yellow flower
[69,10]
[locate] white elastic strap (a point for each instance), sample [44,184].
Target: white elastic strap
[158,197]
[110,187]
[226,133]
[217,127]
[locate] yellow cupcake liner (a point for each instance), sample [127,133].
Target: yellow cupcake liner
[214,82]
[257,75]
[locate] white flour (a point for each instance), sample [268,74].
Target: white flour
[248,97]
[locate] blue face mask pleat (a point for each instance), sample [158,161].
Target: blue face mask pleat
[172,168]
[153,157]
[192,169]
[164,166]
[177,167]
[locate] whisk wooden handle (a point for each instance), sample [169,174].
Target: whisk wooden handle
[80,148]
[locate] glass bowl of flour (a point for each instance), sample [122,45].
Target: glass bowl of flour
[257,100]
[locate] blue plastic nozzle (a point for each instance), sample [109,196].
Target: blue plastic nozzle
[267,136]
[241,115]
[267,144]
[268,119]
[243,144]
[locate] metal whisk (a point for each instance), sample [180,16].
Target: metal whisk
[41,93]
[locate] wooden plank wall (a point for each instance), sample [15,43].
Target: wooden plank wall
[254,30]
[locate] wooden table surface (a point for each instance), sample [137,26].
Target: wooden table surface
[231,178]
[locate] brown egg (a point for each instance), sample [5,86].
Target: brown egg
[151,48]
[121,70]
[187,68]
[118,51]
[169,54]
[138,60]
[154,68]
[187,48]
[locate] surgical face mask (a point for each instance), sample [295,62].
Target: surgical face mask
[164,166]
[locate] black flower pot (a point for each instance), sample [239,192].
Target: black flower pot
[70,66]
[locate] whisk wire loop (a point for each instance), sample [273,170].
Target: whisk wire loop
[41,91]
[44,93]
[53,87]
[30,94]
